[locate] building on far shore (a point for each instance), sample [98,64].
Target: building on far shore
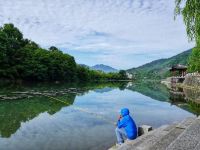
[129,75]
[179,70]
[178,73]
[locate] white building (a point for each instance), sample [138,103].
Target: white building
[130,76]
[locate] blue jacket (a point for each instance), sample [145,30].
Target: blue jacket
[128,124]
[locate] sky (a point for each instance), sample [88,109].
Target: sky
[119,33]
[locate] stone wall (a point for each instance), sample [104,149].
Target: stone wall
[192,79]
[192,95]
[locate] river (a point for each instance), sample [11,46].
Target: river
[84,121]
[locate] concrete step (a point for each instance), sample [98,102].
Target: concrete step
[145,141]
[166,140]
[189,139]
[158,139]
[186,123]
[197,147]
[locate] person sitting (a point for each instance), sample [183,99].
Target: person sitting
[126,127]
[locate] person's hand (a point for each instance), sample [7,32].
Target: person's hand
[119,117]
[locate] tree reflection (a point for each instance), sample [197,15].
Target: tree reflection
[14,112]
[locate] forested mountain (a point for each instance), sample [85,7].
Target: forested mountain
[160,68]
[22,59]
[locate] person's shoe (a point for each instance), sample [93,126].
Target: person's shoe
[118,144]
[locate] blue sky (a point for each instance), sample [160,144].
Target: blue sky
[119,33]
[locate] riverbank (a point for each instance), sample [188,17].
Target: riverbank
[192,81]
[183,136]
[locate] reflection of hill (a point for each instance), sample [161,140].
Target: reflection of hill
[160,92]
[13,113]
[151,89]
[102,85]
[104,90]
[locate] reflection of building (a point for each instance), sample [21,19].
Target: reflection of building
[178,73]
[177,96]
[130,84]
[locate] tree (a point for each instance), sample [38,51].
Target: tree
[11,42]
[191,16]
[194,60]
[122,74]
[53,48]
[22,59]
[82,73]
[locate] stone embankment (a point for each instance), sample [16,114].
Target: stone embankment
[192,79]
[182,136]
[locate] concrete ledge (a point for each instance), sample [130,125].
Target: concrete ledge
[182,136]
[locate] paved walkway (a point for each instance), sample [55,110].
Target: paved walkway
[182,136]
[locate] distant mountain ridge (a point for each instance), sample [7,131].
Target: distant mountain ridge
[160,68]
[101,67]
[104,68]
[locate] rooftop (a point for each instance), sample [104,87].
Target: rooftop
[178,67]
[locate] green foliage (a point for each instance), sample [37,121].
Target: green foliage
[194,60]
[122,74]
[11,54]
[22,59]
[191,16]
[160,68]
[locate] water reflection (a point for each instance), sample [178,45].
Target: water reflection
[155,90]
[14,112]
[188,99]
[42,123]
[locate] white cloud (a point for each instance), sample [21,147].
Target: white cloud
[116,28]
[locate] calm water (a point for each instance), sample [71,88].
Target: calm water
[38,123]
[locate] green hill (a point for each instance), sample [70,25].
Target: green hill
[159,69]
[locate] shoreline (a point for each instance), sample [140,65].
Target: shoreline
[168,83]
